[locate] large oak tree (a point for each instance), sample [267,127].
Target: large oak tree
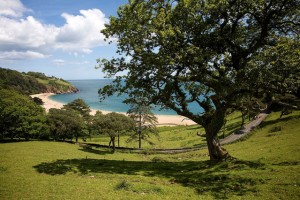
[205,52]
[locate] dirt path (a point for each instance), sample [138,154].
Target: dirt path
[246,129]
[236,135]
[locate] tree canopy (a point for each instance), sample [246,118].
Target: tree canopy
[66,124]
[20,116]
[113,124]
[80,106]
[210,53]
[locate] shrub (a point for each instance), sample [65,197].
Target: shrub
[275,129]
[124,185]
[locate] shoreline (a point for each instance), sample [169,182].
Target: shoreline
[163,120]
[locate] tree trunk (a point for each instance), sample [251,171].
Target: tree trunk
[224,128]
[212,127]
[109,144]
[216,151]
[140,139]
[140,131]
[243,117]
[112,142]
[27,137]
[118,140]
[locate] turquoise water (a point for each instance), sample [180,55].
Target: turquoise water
[88,91]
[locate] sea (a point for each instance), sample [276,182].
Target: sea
[88,91]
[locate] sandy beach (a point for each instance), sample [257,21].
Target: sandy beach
[167,120]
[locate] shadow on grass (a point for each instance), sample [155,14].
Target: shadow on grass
[14,140]
[233,126]
[291,163]
[275,121]
[205,177]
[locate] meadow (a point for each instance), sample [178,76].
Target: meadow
[266,166]
[173,136]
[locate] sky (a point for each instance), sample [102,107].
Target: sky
[57,37]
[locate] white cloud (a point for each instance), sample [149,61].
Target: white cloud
[81,32]
[80,63]
[63,62]
[58,62]
[12,8]
[79,35]
[25,34]
[20,55]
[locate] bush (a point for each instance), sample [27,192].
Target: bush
[124,185]
[275,129]
[157,159]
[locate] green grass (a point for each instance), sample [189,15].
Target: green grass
[174,136]
[58,81]
[267,167]
[58,84]
[169,137]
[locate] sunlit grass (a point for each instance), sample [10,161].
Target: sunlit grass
[266,167]
[174,136]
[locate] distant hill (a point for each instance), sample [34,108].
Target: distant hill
[33,82]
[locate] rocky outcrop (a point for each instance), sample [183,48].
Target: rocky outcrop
[61,89]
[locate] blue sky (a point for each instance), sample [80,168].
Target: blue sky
[56,37]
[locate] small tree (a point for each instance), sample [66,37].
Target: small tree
[96,122]
[65,124]
[84,110]
[38,101]
[248,106]
[145,122]
[113,124]
[80,106]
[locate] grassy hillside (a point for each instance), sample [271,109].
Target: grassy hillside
[176,136]
[267,167]
[33,82]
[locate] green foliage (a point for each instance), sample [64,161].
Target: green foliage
[80,106]
[38,75]
[11,79]
[38,101]
[124,185]
[33,82]
[276,72]
[275,129]
[158,159]
[66,124]
[210,53]
[20,116]
[96,123]
[113,124]
[145,122]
